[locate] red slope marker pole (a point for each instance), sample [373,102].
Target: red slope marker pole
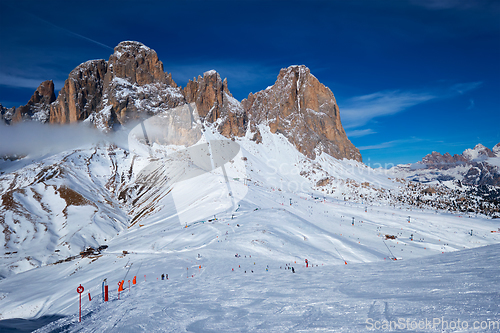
[80,290]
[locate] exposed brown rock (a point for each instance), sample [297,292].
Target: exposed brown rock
[136,63]
[38,106]
[323,182]
[437,161]
[304,111]
[428,190]
[215,103]
[442,162]
[81,94]
[135,85]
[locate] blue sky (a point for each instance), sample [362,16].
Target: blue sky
[410,77]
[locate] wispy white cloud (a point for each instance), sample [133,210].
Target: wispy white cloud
[390,144]
[33,138]
[358,111]
[471,104]
[360,133]
[382,145]
[462,88]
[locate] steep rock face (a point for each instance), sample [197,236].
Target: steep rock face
[38,107]
[215,104]
[304,111]
[81,94]
[134,85]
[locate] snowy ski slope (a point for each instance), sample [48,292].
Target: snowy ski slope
[280,217]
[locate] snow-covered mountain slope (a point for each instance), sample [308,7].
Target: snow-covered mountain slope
[157,207]
[434,292]
[54,207]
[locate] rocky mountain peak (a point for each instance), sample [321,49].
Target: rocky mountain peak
[208,94]
[215,104]
[81,93]
[44,93]
[438,161]
[136,63]
[132,85]
[304,111]
[479,152]
[37,108]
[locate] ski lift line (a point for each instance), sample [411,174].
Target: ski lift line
[138,268]
[129,267]
[146,137]
[393,256]
[340,255]
[226,179]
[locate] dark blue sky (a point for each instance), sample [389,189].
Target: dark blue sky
[410,76]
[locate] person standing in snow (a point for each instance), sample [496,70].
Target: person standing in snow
[293,270]
[163,276]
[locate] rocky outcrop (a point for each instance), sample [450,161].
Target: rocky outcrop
[304,111]
[136,63]
[135,85]
[81,93]
[132,85]
[215,104]
[37,108]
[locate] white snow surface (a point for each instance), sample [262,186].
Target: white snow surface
[441,271]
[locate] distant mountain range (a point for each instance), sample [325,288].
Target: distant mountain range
[477,166]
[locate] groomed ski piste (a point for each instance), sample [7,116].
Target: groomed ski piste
[372,264]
